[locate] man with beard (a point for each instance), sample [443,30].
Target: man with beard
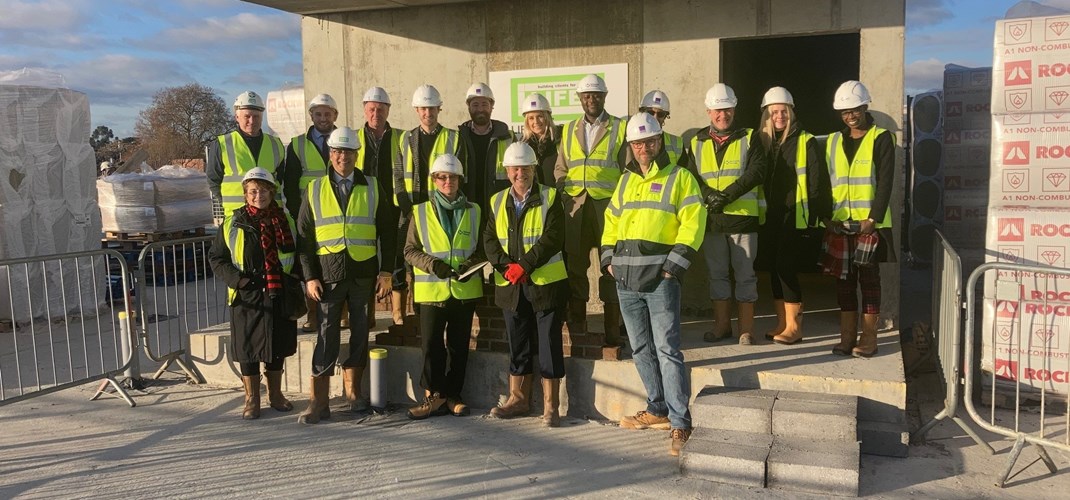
[486,141]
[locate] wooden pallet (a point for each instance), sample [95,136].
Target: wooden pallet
[115,236]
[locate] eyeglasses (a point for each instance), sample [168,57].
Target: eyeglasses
[657,113]
[851,112]
[650,143]
[445,177]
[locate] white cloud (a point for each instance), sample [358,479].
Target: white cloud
[927,13]
[51,15]
[247,78]
[924,75]
[123,79]
[241,28]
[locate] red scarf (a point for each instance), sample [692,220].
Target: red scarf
[275,235]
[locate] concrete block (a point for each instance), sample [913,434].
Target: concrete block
[825,467]
[726,457]
[884,438]
[747,412]
[817,417]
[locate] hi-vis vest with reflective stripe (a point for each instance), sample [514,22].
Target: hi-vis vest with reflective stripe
[598,171]
[394,146]
[721,175]
[236,245]
[237,160]
[447,141]
[500,173]
[312,164]
[802,201]
[854,184]
[353,231]
[530,229]
[674,147]
[428,287]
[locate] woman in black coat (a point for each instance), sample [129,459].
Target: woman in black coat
[541,135]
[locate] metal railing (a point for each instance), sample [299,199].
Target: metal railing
[68,324]
[1034,379]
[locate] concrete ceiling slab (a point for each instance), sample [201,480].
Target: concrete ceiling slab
[313,7]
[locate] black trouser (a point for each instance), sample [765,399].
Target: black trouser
[253,367]
[783,260]
[527,326]
[357,293]
[583,231]
[445,359]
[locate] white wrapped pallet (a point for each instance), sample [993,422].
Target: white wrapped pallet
[165,200]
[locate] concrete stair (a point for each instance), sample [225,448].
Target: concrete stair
[785,440]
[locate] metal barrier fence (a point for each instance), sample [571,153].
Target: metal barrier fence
[68,324]
[1037,356]
[946,335]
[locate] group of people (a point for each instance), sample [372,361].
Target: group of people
[360,213]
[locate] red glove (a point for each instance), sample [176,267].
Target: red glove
[514,273]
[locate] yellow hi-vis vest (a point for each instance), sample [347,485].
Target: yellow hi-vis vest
[236,244]
[854,184]
[802,197]
[500,173]
[428,287]
[674,147]
[363,137]
[312,165]
[352,231]
[237,160]
[597,171]
[530,229]
[721,175]
[447,141]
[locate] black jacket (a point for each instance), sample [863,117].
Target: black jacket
[481,181]
[546,153]
[753,175]
[782,183]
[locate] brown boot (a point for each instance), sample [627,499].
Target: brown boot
[778,306]
[611,315]
[344,322]
[277,401]
[434,405]
[746,323]
[398,306]
[456,407]
[848,333]
[722,321]
[519,402]
[679,439]
[318,401]
[551,400]
[351,378]
[867,343]
[577,316]
[793,321]
[252,397]
[312,318]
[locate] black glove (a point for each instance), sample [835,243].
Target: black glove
[716,201]
[441,269]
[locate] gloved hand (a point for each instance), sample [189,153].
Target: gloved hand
[514,273]
[716,201]
[441,269]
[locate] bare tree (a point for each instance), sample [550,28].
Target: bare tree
[181,121]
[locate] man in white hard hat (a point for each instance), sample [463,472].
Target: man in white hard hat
[656,103]
[419,148]
[731,163]
[485,141]
[654,226]
[590,160]
[346,245]
[236,152]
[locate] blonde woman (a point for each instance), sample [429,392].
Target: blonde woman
[542,135]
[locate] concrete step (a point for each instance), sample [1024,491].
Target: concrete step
[813,416]
[730,457]
[888,439]
[825,467]
[734,409]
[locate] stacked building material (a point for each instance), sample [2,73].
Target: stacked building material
[165,200]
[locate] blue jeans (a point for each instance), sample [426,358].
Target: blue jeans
[653,323]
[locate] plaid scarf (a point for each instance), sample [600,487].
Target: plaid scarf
[275,235]
[844,247]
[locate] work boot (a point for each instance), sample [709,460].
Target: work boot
[457,407]
[793,319]
[867,343]
[645,420]
[252,397]
[551,400]
[318,401]
[277,401]
[679,439]
[397,305]
[613,327]
[312,318]
[434,405]
[344,322]
[351,377]
[577,316]
[848,333]
[778,306]
[519,402]
[722,321]
[746,323]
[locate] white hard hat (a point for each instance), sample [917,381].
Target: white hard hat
[519,154]
[591,83]
[249,100]
[447,163]
[721,96]
[104,165]
[426,96]
[343,138]
[642,126]
[322,100]
[534,102]
[376,94]
[258,174]
[850,95]
[655,99]
[777,95]
[479,90]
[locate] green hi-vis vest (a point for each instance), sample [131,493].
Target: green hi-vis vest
[446,142]
[363,137]
[721,175]
[596,172]
[352,231]
[312,165]
[237,160]
[674,147]
[236,245]
[500,173]
[854,184]
[428,287]
[530,229]
[802,197]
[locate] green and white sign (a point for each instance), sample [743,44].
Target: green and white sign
[558,85]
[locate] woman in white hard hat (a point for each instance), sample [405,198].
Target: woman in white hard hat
[442,243]
[861,163]
[523,240]
[798,196]
[542,135]
[254,255]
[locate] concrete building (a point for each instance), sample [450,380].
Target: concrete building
[681,47]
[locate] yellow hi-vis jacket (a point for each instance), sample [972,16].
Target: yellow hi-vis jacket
[596,172]
[352,231]
[531,229]
[674,146]
[447,141]
[430,288]
[236,244]
[721,175]
[238,159]
[802,197]
[362,136]
[312,165]
[854,184]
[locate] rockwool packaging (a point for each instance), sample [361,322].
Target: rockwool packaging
[1031,160]
[1030,65]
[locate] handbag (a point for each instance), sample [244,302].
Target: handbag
[293,298]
